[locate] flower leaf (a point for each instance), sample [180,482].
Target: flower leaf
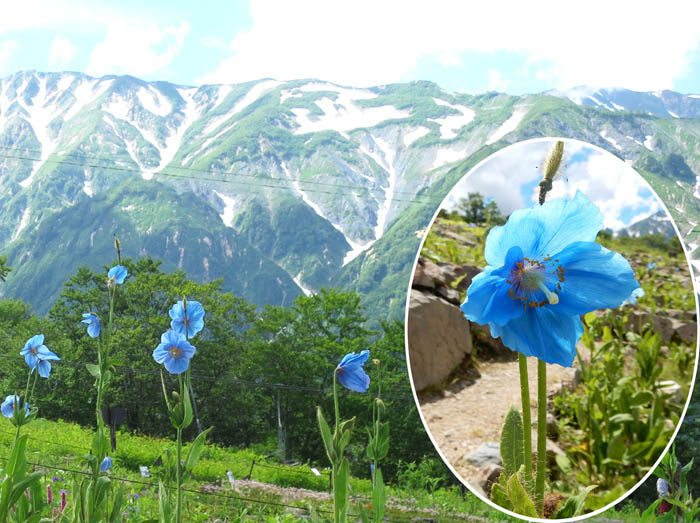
[196,450]
[512,449]
[378,495]
[326,435]
[93,369]
[522,503]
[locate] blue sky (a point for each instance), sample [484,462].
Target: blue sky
[469,47]
[596,173]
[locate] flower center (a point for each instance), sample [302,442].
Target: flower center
[174,352]
[530,276]
[33,351]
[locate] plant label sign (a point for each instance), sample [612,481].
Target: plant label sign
[144,471]
[229,474]
[315,471]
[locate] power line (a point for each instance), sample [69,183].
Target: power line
[224,378]
[199,492]
[427,201]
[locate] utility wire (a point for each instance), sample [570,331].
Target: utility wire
[188,169]
[427,201]
[224,378]
[199,492]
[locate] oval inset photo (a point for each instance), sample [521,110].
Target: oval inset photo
[551,329]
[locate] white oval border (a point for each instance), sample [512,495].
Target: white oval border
[408,358]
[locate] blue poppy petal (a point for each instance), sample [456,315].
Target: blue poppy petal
[44,368]
[177,311]
[487,297]
[160,352]
[542,333]
[355,379]
[8,406]
[594,278]
[177,365]
[353,360]
[545,229]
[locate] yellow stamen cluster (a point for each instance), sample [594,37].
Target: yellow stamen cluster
[526,277]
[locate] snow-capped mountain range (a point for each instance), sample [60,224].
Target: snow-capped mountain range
[282,187]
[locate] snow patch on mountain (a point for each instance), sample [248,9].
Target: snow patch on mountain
[603,135]
[229,203]
[85,94]
[305,290]
[221,95]
[647,142]
[251,96]
[671,113]
[447,155]
[342,114]
[450,124]
[23,223]
[414,134]
[87,185]
[508,126]
[41,114]
[153,101]
[385,161]
[206,144]
[355,247]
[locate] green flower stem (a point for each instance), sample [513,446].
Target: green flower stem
[541,433]
[178,510]
[178,475]
[36,377]
[527,422]
[335,401]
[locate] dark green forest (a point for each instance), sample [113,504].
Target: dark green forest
[258,374]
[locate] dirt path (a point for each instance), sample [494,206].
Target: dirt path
[471,412]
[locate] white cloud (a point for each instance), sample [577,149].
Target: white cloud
[7,47]
[136,50]
[501,176]
[365,42]
[620,193]
[62,51]
[615,187]
[497,82]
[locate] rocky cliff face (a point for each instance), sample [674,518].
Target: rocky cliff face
[278,187]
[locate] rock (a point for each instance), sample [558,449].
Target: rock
[470,271]
[672,389]
[494,346]
[427,274]
[486,454]
[462,240]
[687,332]
[667,327]
[488,475]
[438,338]
[552,426]
[450,294]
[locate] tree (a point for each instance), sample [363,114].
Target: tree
[4,268]
[472,208]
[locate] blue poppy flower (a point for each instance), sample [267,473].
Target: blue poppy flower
[651,266]
[350,373]
[93,323]
[8,406]
[544,270]
[106,464]
[192,322]
[174,351]
[632,298]
[37,354]
[117,274]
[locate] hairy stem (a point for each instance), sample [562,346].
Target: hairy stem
[541,433]
[527,422]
